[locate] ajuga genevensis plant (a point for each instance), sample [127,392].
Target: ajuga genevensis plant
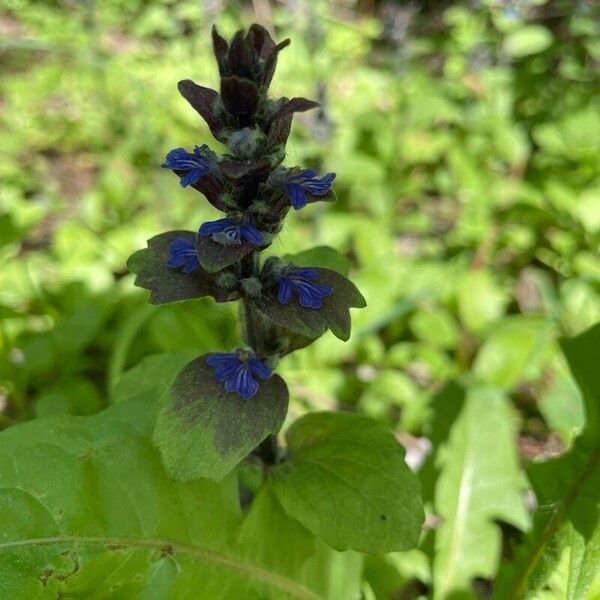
[225,406]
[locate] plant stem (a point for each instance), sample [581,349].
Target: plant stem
[252,322]
[267,450]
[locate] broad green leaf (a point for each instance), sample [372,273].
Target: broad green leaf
[515,350]
[435,326]
[269,536]
[481,301]
[167,284]
[312,323]
[568,494]
[204,431]
[321,256]
[87,511]
[345,480]
[69,396]
[479,484]
[531,39]
[152,374]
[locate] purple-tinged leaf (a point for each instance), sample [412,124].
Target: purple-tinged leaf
[169,284]
[204,431]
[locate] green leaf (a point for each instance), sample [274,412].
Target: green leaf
[87,511]
[312,323]
[204,431]
[214,256]
[479,310]
[515,350]
[479,484]
[568,494]
[269,536]
[531,39]
[320,256]
[152,374]
[436,326]
[346,481]
[168,284]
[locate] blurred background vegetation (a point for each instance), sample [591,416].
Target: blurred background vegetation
[465,137]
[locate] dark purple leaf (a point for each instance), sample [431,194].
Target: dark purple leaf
[239,96]
[167,284]
[214,256]
[312,323]
[204,102]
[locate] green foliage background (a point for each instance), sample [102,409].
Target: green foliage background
[466,141]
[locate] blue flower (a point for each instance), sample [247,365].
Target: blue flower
[232,232]
[194,165]
[307,182]
[302,280]
[237,370]
[183,254]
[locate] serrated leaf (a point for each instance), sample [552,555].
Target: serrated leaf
[312,323]
[568,494]
[214,257]
[87,511]
[204,431]
[479,484]
[346,481]
[167,284]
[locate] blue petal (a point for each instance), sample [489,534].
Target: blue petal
[311,294]
[285,290]
[174,157]
[259,369]
[218,359]
[183,254]
[225,372]
[212,227]
[309,273]
[305,175]
[193,176]
[319,187]
[242,383]
[192,264]
[252,235]
[297,195]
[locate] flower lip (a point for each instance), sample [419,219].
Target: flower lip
[303,281]
[305,183]
[193,166]
[232,231]
[183,253]
[238,370]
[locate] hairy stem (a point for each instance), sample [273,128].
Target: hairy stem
[251,319]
